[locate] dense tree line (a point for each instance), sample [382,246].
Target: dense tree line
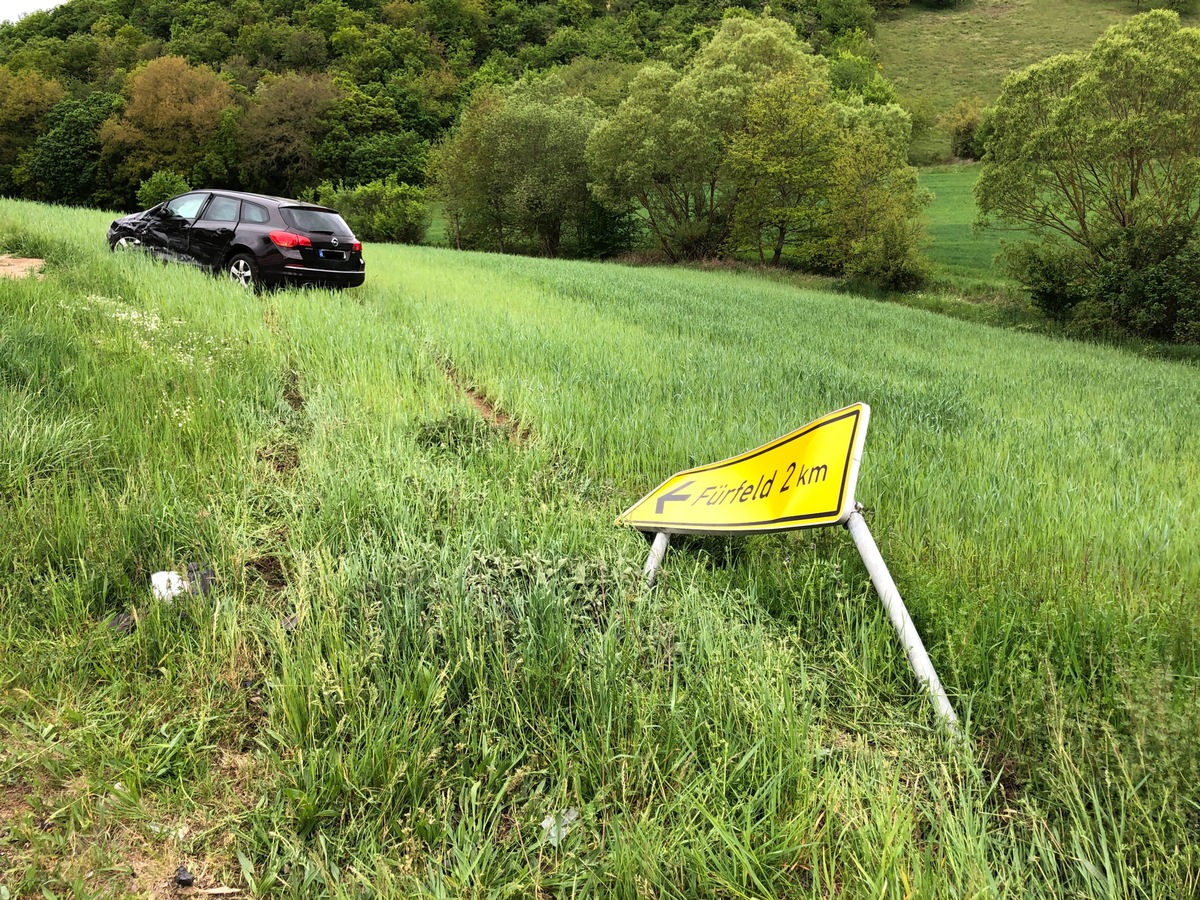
[278,95]
[749,149]
[507,106]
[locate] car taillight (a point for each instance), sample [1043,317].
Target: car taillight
[289,239]
[356,246]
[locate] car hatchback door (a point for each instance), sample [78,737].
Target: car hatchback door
[212,232]
[331,246]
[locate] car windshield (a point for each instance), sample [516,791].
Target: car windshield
[314,221]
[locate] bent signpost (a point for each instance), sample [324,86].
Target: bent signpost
[805,479]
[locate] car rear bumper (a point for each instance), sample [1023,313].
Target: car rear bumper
[296,273]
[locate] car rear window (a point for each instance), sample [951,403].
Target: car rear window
[252,212]
[317,221]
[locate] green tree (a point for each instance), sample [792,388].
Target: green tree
[781,163]
[170,119]
[1098,154]
[25,99]
[513,174]
[874,200]
[287,119]
[367,141]
[65,165]
[666,145]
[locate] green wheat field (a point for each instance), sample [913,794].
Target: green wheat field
[426,638]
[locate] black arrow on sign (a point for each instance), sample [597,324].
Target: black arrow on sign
[673,496]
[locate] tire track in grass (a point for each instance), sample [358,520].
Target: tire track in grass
[491,413]
[282,455]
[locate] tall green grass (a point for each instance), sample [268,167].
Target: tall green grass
[955,245]
[473,650]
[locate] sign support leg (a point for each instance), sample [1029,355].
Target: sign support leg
[914,648]
[658,550]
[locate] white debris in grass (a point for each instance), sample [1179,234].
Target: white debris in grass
[557,826]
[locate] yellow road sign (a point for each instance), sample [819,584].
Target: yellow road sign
[801,480]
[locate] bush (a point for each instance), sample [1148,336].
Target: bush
[1147,285]
[384,210]
[889,257]
[162,185]
[1151,284]
[1053,275]
[962,122]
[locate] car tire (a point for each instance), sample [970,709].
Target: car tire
[124,242]
[243,269]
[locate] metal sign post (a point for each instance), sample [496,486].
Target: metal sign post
[889,594]
[658,550]
[804,479]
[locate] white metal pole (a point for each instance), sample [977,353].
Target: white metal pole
[901,620]
[657,551]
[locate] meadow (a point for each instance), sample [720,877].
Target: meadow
[427,639]
[955,246]
[938,57]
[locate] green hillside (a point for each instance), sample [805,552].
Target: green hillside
[424,473]
[942,56]
[954,243]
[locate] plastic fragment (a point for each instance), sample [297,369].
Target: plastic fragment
[184,878]
[557,826]
[166,831]
[199,578]
[167,585]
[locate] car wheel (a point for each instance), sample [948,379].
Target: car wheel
[124,242]
[243,270]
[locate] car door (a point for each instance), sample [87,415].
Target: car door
[172,226]
[211,233]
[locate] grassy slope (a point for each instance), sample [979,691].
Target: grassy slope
[943,56]
[474,652]
[954,245]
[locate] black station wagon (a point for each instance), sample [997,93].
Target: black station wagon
[256,240]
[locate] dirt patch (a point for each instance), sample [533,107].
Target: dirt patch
[270,570]
[150,872]
[17,267]
[13,805]
[291,390]
[488,410]
[281,457]
[150,869]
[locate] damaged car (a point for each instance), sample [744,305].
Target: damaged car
[253,239]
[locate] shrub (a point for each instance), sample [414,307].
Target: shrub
[889,257]
[1146,285]
[1151,284]
[962,122]
[162,185]
[1053,275]
[385,210]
